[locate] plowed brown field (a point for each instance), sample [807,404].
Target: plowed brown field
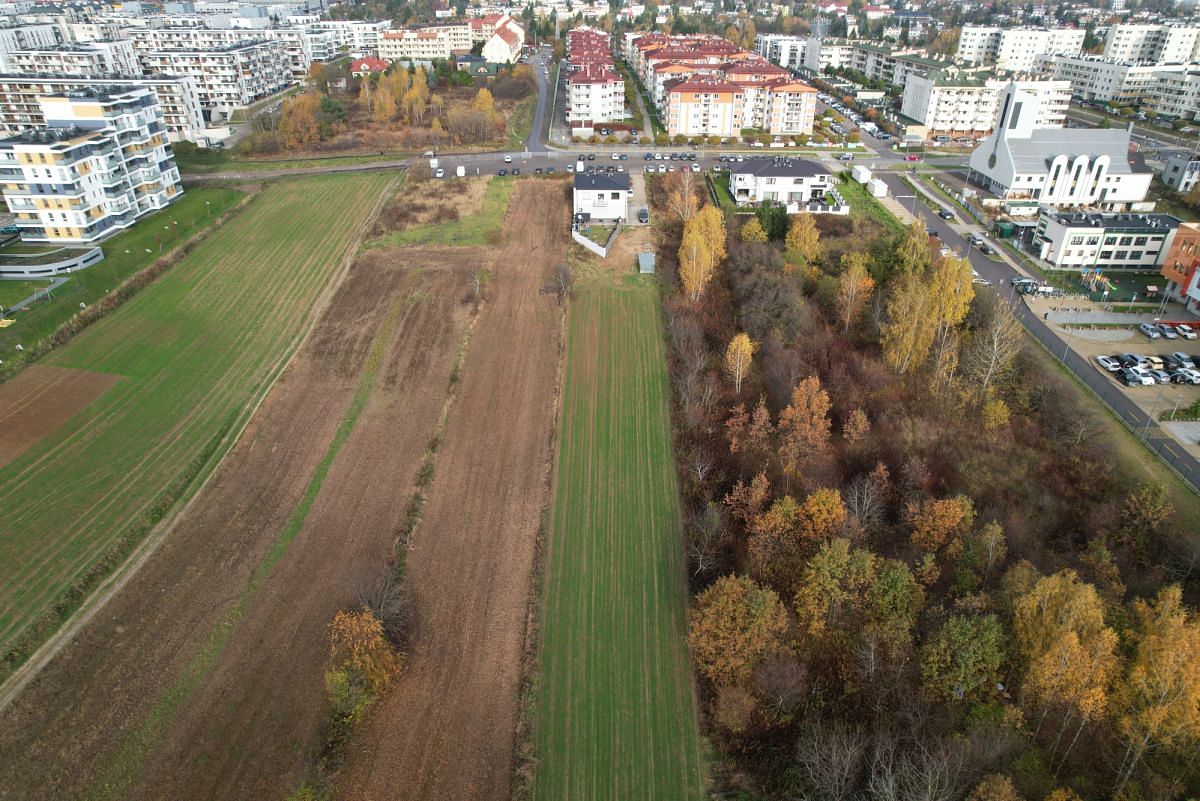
[39,400]
[135,706]
[445,730]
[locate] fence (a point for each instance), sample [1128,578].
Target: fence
[599,250]
[12,266]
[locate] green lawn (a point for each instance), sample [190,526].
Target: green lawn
[476,229]
[720,182]
[164,229]
[520,123]
[616,716]
[16,291]
[861,203]
[195,348]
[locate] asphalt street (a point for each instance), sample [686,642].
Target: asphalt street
[1000,274]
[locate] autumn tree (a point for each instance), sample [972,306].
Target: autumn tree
[1158,698]
[774,542]
[938,526]
[961,661]
[803,243]
[857,427]
[1144,513]
[912,251]
[821,516]
[738,357]
[804,425]
[357,643]
[994,787]
[681,195]
[733,626]
[299,127]
[950,290]
[910,327]
[752,231]
[483,102]
[385,105]
[746,501]
[854,287]
[994,346]
[695,264]
[710,224]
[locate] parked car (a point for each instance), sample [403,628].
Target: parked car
[1186,331]
[912,157]
[648,157]
[846,157]
[1160,376]
[1109,363]
[1171,363]
[946,214]
[643,215]
[591,156]
[975,239]
[1185,362]
[516,171]
[1186,377]
[1155,362]
[662,167]
[695,167]
[502,172]
[1149,331]
[987,250]
[441,173]
[1133,360]
[1167,331]
[1133,378]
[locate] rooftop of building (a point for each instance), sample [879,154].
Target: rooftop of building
[49,136]
[1125,222]
[779,167]
[1038,152]
[602,181]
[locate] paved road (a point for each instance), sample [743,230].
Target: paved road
[1001,273]
[536,143]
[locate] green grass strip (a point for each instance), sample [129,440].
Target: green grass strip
[126,766]
[482,228]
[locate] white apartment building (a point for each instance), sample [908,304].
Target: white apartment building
[963,105]
[115,57]
[500,34]
[226,79]
[800,185]
[820,54]
[1077,241]
[103,163]
[600,196]
[27,37]
[297,52]
[786,51]
[712,107]
[1016,49]
[1057,166]
[1104,80]
[177,99]
[1153,44]
[595,95]
[1176,92]
[357,36]
[94,31]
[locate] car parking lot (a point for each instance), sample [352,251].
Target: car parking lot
[1153,389]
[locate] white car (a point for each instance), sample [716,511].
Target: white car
[1185,331]
[1186,377]
[508,159]
[695,168]
[616,157]
[1149,331]
[1108,363]
[662,167]
[441,173]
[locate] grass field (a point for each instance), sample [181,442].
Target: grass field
[616,716]
[194,349]
[474,229]
[861,203]
[124,254]
[16,291]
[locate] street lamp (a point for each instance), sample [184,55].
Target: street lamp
[912,206]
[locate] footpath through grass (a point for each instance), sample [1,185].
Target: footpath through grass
[616,716]
[196,348]
[482,228]
[124,254]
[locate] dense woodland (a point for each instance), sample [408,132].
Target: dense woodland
[921,568]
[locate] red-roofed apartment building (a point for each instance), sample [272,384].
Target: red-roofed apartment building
[595,90]
[501,35]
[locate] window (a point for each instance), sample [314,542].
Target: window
[1077,240]
[1122,254]
[1141,240]
[1127,240]
[1110,240]
[1106,254]
[616,195]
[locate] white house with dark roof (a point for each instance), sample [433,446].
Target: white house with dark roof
[600,197]
[799,184]
[1061,167]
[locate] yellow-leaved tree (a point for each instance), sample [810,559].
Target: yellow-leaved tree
[910,327]
[695,264]
[854,287]
[753,231]
[803,243]
[738,356]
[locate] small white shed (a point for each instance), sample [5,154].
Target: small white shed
[860,173]
[877,188]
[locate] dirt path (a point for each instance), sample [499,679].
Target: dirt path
[445,730]
[39,400]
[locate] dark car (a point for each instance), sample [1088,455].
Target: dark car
[537,171]
[502,172]
[549,170]
[516,171]
[648,157]
[643,216]
[624,157]
[987,250]
[591,157]
[945,214]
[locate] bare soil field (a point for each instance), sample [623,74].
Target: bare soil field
[137,706]
[445,730]
[40,399]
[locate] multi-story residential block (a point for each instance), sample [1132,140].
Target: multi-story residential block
[1165,88]
[103,163]
[798,184]
[93,31]
[27,37]
[1016,49]
[1057,166]
[791,108]
[1153,44]
[1181,267]
[296,44]
[955,105]
[177,99]
[357,36]
[1176,92]
[595,95]
[500,34]
[227,78]
[115,57]
[1077,241]
[786,51]
[1181,171]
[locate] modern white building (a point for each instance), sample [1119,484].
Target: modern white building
[27,37]
[799,184]
[600,197]
[227,78]
[1171,43]
[1181,171]
[359,37]
[102,163]
[1057,166]
[786,51]
[1016,49]
[595,95]
[956,105]
[178,100]
[116,57]
[1078,241]
[1176,92]
[501,36]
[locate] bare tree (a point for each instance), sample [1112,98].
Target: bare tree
[391,604]
[866,500]
[706,535]
[701,463]
[994,347]
[479,282]
[565,281]
[831,757]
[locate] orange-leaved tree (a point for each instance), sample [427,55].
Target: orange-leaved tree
[734,625]
[804,425]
